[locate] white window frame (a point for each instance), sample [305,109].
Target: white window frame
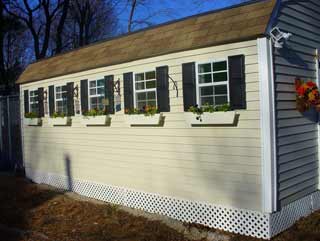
[55,96]
[96,95]
[36,102]
[144,90]
[198,85]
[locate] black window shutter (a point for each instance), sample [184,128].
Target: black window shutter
[163,89]
[40,102]
[128,90]
[189,85]
[26,101]
[70,101]
[109,92]
[84,96]
[237,83]
[51,100]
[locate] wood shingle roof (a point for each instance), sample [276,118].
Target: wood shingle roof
[235,24]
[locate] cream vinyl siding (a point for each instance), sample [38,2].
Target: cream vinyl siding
[219,165]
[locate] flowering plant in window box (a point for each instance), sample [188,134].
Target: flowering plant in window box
[307,95]
[210,115]
[59,119]
[146,116]
[95,117]
[32,119]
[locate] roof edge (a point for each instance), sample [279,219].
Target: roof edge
[274,16]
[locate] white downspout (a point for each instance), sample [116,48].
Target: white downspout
[267,123]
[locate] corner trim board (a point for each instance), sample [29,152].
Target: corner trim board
[267,123]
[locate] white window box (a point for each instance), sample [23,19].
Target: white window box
[143,120]
[99,120]
[215,118]
[32,121]
[59,121]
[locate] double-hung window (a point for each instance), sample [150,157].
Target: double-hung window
[61,99]
[97,94]
[213,84]
[33,101]
[145,87]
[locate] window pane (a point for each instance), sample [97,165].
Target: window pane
[34,108]
[141,96]
[220,100]
[220,77]
[93,91]
[140,105]
[140,86]
[219,66]
[101,82]
[151,95]
[204,68]
[58,96]
[139,77]
[206,100]
[206,78]
[151,84]
[58,89]
[151,103]
[100,104]
[64,88]
[206,90]
[151,75]
[92,83]
[101,91]
[93,102]
[220,90]
[61,106]
[64,95]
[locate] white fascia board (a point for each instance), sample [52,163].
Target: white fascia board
[267,122]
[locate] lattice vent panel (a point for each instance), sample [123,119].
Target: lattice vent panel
[289,214]
[233,220]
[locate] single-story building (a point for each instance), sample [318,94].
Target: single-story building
[195,119]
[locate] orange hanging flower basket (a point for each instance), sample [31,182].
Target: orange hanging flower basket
[307,95]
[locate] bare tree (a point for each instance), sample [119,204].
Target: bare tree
[2,31]
[61,26]
[135,5]
[91,20]
[38,17]
[132,11]
[12,49]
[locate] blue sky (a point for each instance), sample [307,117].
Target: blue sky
[172,9]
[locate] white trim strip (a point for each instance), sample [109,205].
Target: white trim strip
[267,119]
[318,83]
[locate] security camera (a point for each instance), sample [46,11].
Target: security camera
[279,37]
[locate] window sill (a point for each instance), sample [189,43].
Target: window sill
[32,121]
[59,121]
[142,120]
[227,118]
[100,120]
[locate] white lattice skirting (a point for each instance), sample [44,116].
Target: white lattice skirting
[246,222]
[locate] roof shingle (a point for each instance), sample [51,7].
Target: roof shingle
[231,25]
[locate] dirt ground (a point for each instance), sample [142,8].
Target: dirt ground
[29,212]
